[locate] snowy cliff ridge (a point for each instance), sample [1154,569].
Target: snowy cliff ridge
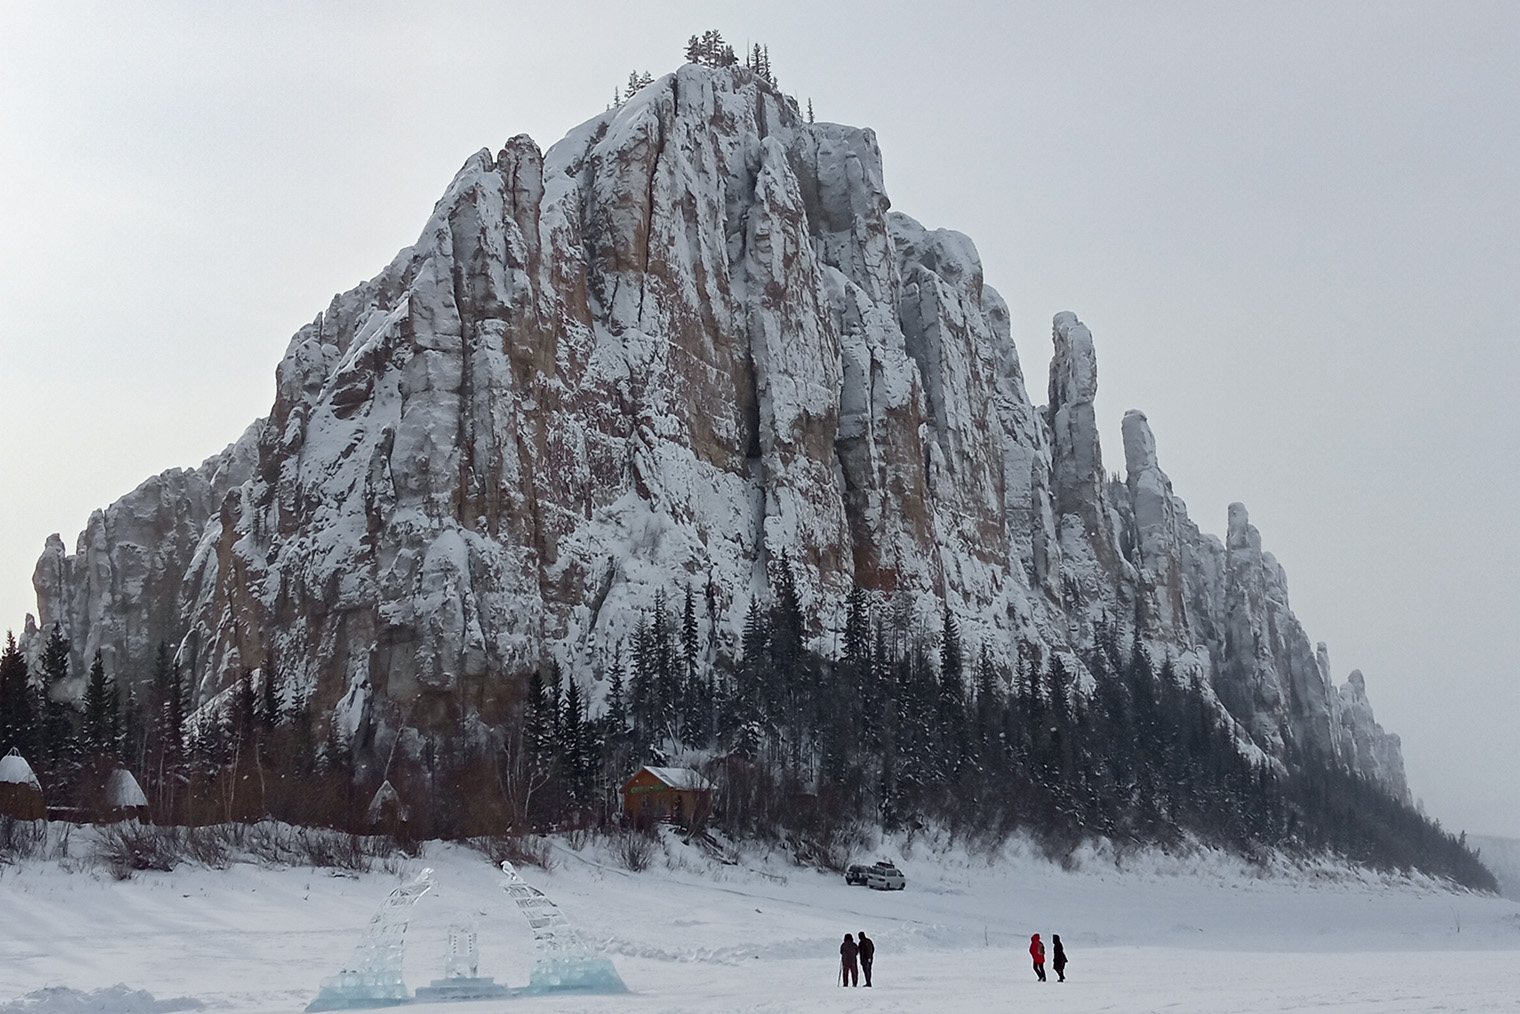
[686,343]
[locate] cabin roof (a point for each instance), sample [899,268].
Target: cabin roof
[676,778]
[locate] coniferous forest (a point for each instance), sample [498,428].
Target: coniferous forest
[908,728]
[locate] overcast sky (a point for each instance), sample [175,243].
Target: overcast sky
[1293,228]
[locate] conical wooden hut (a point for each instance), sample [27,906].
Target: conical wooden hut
[386,812]
[124,797]
[20,791]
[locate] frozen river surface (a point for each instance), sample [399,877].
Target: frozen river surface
[1201,934]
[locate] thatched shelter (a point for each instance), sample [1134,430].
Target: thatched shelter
[124,797]
[20,791]
[386,812]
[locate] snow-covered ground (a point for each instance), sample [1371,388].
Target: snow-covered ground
[1157,933]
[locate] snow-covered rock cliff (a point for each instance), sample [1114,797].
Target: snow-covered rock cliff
[686,343]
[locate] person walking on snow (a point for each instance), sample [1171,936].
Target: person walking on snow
[867,950]
[1037,952]
[849,975]
[1057,960]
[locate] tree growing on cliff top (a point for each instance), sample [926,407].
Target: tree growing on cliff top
[710,50]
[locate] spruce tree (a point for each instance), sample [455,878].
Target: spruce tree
[132,734]
[572,744]
[643,694]
[667,671]
[952,687]
[245,709]
[540,735]
[100,711]
[710,50]
[59,746]
[269,712]
[636,82]
[17,716]
[988,701]
[690,643]
[790,686]
[616,716]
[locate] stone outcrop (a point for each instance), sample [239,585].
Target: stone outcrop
[122,591]
[687,343]
[1367,748]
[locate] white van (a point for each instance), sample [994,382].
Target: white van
[883,876]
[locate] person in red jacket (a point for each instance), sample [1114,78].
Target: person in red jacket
[1037,952]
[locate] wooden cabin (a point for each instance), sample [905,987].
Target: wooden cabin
[679,795]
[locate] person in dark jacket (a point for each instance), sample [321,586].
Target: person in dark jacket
[1037,952]
[849,975]
[867,955]
[1057,961]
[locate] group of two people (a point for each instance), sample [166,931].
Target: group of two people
[1057,961]
[849,951]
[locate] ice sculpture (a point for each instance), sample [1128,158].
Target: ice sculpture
[461,972]
[462,959]
[373,976]
[565,959]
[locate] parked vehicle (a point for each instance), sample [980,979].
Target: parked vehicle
[885,877]
[855,875]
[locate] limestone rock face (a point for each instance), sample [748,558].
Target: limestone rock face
[122,591]
[1368,748]
[1154,535]
[687,345]
[1267,666]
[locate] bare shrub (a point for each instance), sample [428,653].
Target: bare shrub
[634,849]
[208,846]
[269,843]
[62,835]
[130,847]
[272,843]
[829,846]
[22,839]
[517,849]
[320,846]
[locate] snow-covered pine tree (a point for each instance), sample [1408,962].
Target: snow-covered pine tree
[17,716]
[615,717]
[574,748]
[540,726]
[667,670]
[710,50]
[643,703]
[269,695]
[636,81]
[101,711]
[59,744]
[758,60]
[695,703]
